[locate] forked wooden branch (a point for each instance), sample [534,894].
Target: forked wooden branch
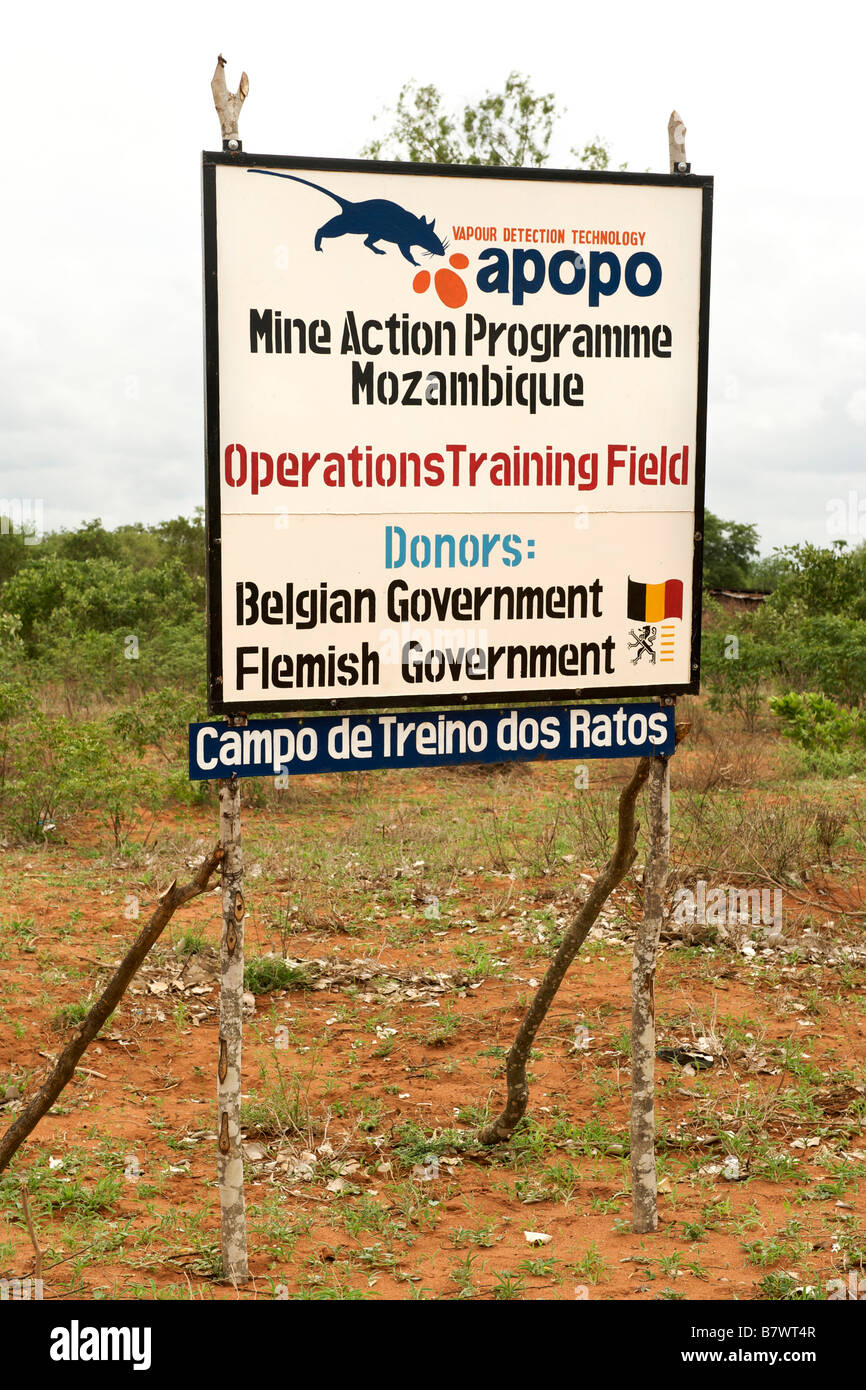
[676,141]
[228,104]
[613,873]
[169,901]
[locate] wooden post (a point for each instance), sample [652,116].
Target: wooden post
[230,1163]
[644,1181]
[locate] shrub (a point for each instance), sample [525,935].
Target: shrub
[814,721]
[98,595]
[158,720]
[56,767]
[834,653]
[737,671]
[264,974]
[831,738]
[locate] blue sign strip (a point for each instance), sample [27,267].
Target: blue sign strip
[355,743]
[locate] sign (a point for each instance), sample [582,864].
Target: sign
[455,433]
[357,743]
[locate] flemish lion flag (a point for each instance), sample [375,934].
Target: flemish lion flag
[652,603]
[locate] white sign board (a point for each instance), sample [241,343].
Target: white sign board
[455,432]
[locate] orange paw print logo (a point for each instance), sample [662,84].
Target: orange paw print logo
[448,284]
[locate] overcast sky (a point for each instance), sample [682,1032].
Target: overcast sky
[107,109]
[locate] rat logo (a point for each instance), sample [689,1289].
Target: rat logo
[377,219]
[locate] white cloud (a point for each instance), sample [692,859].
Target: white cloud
[855,407]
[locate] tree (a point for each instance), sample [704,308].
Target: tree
[510,128]
[90,541]
[823,579]
[730,547]
[14,549]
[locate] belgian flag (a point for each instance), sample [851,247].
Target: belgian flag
[652,603]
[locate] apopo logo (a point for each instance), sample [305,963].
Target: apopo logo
[517,272]
[525,271]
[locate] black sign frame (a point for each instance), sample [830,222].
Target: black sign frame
[242,159]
